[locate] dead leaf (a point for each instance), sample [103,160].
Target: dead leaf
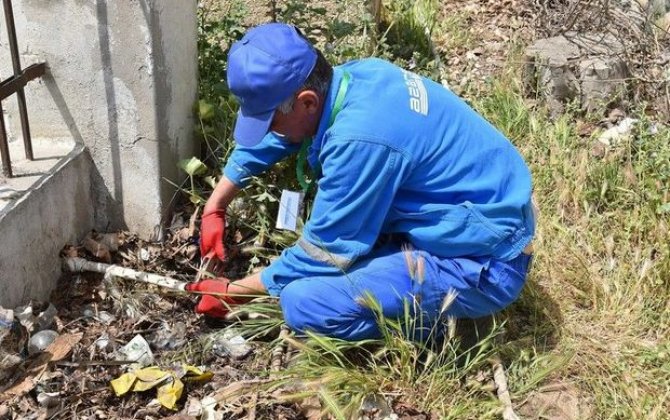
[585,129]
[69,251]
[98,250]
[310,407]
[183,234]
[56,351]
[62,346]
[110,240]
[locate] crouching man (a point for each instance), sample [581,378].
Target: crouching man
[396,155]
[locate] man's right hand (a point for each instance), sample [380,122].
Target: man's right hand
[212,232]
[214,298]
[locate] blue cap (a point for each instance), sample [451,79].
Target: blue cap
[268,65]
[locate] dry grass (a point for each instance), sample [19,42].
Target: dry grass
[602,257]
[595,316]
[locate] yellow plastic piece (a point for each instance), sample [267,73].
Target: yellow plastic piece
[171,387]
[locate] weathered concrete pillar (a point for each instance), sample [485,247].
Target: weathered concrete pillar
[122,80]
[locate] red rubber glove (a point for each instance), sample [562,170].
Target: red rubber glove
[217,304]
[212,231]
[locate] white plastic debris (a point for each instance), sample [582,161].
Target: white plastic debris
[209,409]
[9,360]
[136,351]
[25,316]
[48,399]
[46,319]
[231,344]
[105,317]
[194,408]
[101,316]
[41,340]
[619,132]
[6,322]
[104,343]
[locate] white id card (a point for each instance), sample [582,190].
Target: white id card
[290,207]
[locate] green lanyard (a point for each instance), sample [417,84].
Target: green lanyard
[302,154]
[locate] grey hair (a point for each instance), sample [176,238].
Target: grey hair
[318,80]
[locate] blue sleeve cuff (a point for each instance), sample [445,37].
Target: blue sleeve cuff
[236,173]
[270,285]
[247,162]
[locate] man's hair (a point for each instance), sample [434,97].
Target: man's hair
[318,80]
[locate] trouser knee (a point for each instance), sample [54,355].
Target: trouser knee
[300,313]
[306,308]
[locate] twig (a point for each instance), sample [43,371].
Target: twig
[251,415]
[78,265]
[86,363]
[83,379]
[278,352]
[500,380]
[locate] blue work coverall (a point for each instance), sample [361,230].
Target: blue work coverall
[407,157]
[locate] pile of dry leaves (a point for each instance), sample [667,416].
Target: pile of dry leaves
[58,359]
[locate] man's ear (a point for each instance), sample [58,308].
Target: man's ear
[309,101]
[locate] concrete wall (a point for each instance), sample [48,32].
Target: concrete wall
[122,80]
[34,228]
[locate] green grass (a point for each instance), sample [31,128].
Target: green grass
[595,312]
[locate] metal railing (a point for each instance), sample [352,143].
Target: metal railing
[14,85]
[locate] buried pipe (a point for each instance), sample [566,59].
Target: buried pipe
[80,265]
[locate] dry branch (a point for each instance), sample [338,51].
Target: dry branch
[500,380]
[278,352]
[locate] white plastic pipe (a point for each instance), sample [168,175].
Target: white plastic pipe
[79,265]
